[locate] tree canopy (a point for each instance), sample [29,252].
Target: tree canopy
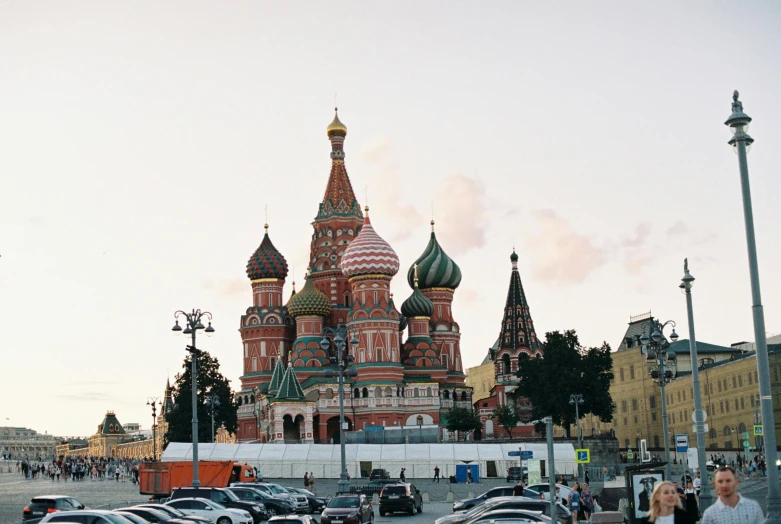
[567,368]
[507,417]
[209,381]
[462,419]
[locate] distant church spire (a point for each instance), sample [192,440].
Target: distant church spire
[517,333]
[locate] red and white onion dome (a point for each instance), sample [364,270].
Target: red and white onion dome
[369,254]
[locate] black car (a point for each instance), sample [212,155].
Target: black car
[514,474]
[39,507]
[465,504]
[274,505]
[315,503]
[379,474]
[152,515]
[348,509]
[225,497]
[173,512]
[508,503]
[400,497]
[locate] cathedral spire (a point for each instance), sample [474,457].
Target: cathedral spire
[339,198]
[517,332]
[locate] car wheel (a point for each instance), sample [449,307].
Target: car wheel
[271,510]
[420,508]
[371,518]
[224,520]
[382,513]
[311,508]
[412,510]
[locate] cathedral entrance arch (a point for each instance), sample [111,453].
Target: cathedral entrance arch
[291,427]
[332,428]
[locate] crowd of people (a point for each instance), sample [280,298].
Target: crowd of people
[80,468]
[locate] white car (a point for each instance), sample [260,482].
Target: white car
[544,489]
[98,516]
[213,511]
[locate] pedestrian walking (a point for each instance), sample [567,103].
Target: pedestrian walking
[436,474]
[665,506]
[587,501]
[402,476]
[731,507]
[518,489]
[574,502]
[469,476]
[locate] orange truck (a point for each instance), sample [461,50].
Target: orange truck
[159,478]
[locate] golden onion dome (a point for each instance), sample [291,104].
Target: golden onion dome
[336,128]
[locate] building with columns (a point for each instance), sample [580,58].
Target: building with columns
[400,381]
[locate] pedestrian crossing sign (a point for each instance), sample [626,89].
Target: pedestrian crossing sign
[582,456]
[758,430]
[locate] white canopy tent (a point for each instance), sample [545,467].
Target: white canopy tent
[292,460]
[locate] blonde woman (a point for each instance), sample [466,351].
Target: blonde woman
[666,506]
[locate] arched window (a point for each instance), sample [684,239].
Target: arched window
[712,433]
[239,401]
[428,392]
[506,364]
[252,399]
[378,392]
[626,443]
[356,393]
[420,420]
[365,392]
[417,392]
[741,428]
[726,431]
[446,394]
[656,441]
[463,396]
[388,391]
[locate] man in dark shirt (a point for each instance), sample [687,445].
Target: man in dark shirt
[518,489]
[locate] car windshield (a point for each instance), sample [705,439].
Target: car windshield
[167,509]
[231,495]
[215,505]
[275,489]
[344,502]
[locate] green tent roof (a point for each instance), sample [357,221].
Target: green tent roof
[290,388]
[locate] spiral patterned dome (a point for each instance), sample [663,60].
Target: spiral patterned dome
[369,254]
[266,261]
[435,268]
[309,301]
[417,305]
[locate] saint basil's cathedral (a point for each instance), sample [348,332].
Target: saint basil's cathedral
[401,381]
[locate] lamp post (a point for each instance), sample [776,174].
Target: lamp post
[655,348]
[577,400]
[193,324]
[340,365]
[212,402]
[741,143]
[154,402]
[705,497]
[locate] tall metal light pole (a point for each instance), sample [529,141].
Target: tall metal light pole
[340,365]
[212,402]
[705,497]
[655,348]
[193,324]
[741,142]
[577,400]
[154,402]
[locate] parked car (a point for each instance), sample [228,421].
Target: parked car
[564,514]
[293,519]
[40,506]
[503,491]
[273,505]
[400,497]
[217,513]
[510,516]
[225,497]
[514,474]
[379,474]
[544,488]
[173,512]
[316,504]
[348,509]
[150,515]
[135,519]
[93,516]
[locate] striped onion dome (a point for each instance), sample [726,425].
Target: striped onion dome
[309,301]
[369,254]
[435,268]
[417,305]
[266,261]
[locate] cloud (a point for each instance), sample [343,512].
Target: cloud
[639,238]
[561,254]
[677,229]
[468,296]
[461,215]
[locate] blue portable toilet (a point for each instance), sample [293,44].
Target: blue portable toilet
[461,470]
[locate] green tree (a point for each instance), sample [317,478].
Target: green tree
[567,368]
[209,381]
[507,417]
[463,420]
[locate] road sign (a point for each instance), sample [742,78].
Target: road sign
[630,455]
[702,413]
[746,443]
[682,443]
[758,430]
[583,456]
[527,455]
[514,453]
[704,428]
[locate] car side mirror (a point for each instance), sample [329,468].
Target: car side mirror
[81,506]
[209,508]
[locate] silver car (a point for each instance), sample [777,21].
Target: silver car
[83,516]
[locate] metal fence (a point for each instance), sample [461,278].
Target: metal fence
[393,436]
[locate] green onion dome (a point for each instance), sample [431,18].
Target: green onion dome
[309,301]
[435,268]
[266,261]
[417,305]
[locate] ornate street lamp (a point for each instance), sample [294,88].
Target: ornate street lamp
[154,402]
[577,400]
[340,366]
[705,497]
[741,143]
[655,348]
[193,324]
[212,402]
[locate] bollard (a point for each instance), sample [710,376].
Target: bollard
[426,497]
[449,497]
[375,499]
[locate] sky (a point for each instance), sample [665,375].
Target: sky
[140,143]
